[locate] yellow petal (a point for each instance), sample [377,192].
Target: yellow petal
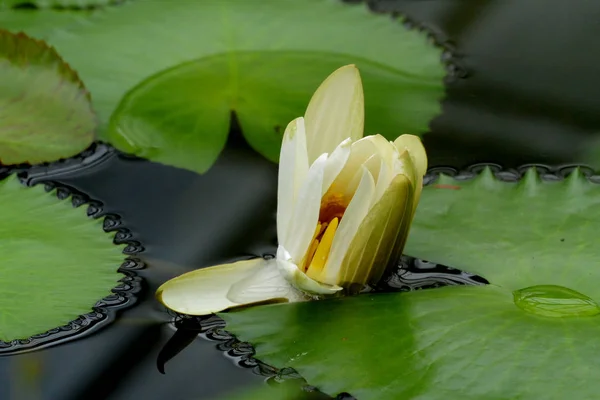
[371,249]
[205,291]
[335,112]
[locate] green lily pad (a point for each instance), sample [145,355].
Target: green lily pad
[181,116]
[62,3]
[449,343]
[39,23]
[531,334]
[45,112]
[201,60]
[515,235]
[55,262]
[281,391]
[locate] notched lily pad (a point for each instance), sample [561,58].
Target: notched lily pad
[181,116]
[55,262]
[248,59]
[45,112]
[514,234]
[455,342]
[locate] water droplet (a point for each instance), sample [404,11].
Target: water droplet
[555,301]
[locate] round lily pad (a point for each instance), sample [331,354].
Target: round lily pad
[55,261]
[45,112]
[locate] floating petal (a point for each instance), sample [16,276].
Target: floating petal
[204,291]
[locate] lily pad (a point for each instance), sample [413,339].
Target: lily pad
[514,234]
[262,59]
[39,23]
[449,343]
[55,262]
[63,3]
[181,116]
[45,112]
[531,334]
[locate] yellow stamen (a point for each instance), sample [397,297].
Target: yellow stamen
[311,252]
[320,257]
[317,231]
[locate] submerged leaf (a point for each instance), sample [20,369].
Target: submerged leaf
[45,112]
[55,262]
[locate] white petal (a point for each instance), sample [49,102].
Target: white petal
[360,152]
[264,284]
[335,112]
[299,279]
[204,291]
[293,167]
[385,148]
[336,162]
[306,212]
[414,146]
[353,217]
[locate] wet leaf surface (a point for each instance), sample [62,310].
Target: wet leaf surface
[454,342]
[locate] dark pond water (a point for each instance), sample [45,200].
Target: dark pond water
[525,92]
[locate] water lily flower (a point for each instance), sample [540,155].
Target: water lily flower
[344,208]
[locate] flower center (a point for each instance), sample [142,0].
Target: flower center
[333,207]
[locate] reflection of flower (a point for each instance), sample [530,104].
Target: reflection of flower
[344,208]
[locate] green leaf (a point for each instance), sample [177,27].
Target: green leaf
[55,262]
[62,3]
[181,116]
[243,55]
[289,390]
[449,343]
[45,112]
[515,235]
[39,23]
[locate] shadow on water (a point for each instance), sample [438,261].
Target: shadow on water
[528,95]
